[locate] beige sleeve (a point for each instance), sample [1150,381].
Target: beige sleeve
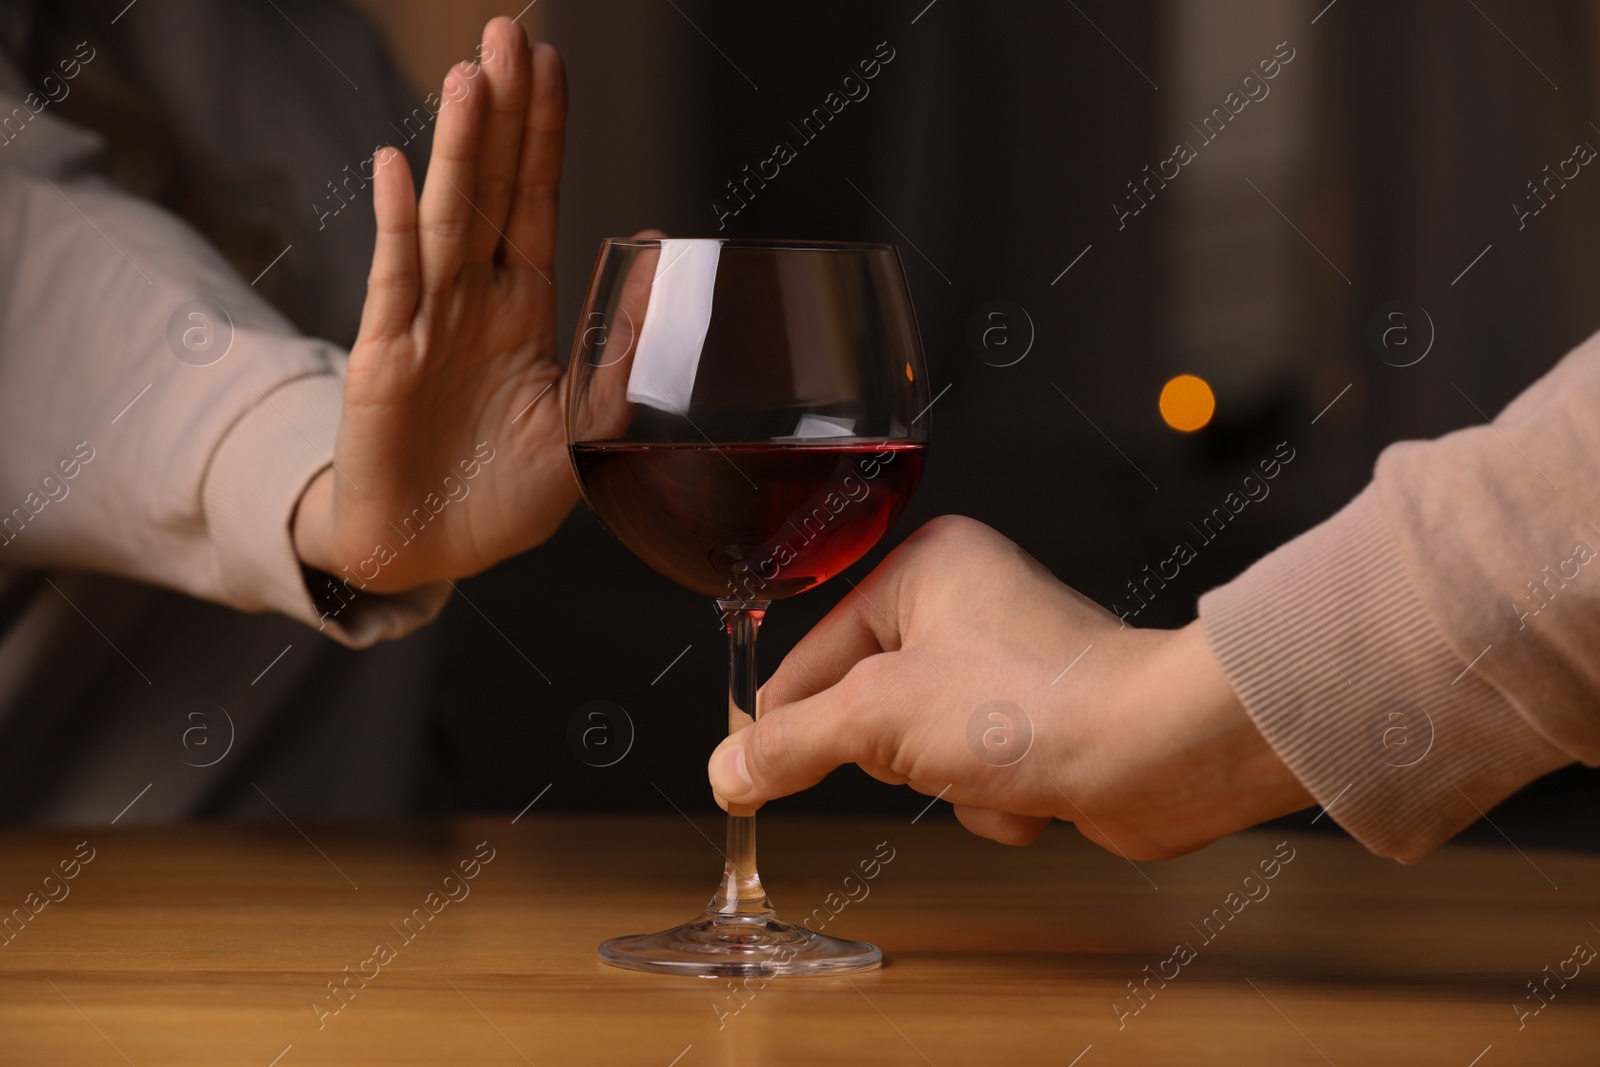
[1435,645]
[115,454]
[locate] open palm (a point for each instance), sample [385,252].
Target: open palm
[449,455]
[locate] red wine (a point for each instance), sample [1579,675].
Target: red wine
[751,521]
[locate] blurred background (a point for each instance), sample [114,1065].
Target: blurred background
[1345,255]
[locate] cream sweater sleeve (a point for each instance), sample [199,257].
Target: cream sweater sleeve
[1436,645]
[116,454]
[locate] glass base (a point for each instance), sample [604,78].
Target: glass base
[718,945]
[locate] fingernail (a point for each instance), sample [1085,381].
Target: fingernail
[729,776]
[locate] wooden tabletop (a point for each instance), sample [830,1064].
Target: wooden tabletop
[215,943]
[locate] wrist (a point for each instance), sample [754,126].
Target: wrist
[1194,764]
[1248,773]
[311,529]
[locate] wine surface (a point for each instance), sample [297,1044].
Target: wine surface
[749,521]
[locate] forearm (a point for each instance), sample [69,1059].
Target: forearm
[191,431]
[1430,649]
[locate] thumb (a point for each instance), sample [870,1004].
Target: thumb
[792,748]
[729,771]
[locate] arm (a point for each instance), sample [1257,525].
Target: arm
[1449,608]
[1459,614]
[232,481]
[120,456]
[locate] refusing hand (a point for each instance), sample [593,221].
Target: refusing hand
[454,369]
[1142,742]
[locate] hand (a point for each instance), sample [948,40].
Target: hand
[454,369]
[1142,743]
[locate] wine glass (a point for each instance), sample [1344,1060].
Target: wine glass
[748,418]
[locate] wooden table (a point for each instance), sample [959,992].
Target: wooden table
[211,944]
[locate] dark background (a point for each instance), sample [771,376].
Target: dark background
[995,142]
[991,150]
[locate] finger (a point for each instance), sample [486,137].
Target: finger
[795,747]
[392,281]
[870,618]
[860,625]
[531,225]
[1001,826]
[504,79]
[445,215]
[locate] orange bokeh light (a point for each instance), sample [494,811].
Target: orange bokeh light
[1187,403]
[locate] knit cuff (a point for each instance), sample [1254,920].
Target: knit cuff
[1348,677]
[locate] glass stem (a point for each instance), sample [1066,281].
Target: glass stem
[741,892]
